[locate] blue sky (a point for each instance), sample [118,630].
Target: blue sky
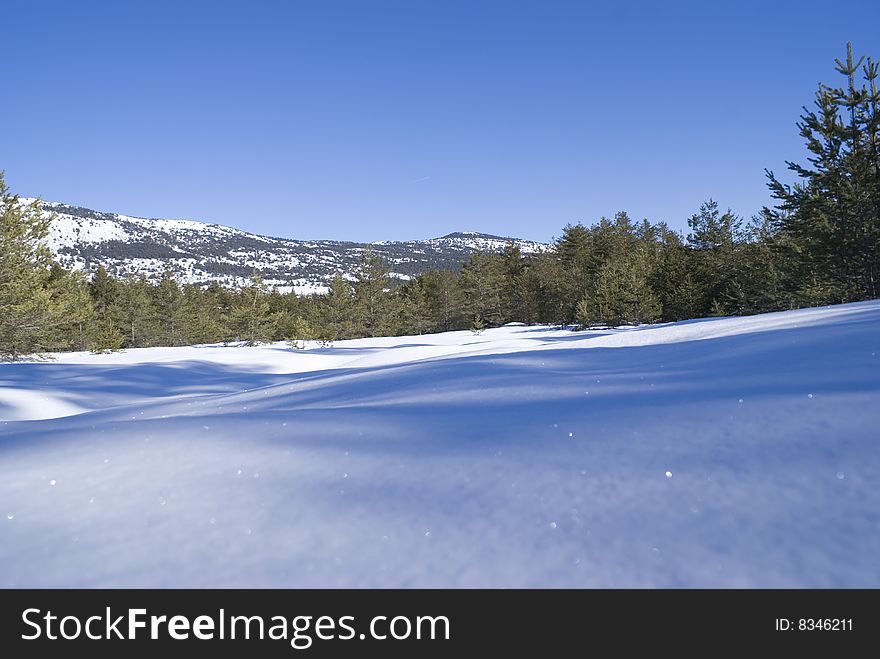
[380,119]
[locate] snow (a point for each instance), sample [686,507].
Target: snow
[688,454]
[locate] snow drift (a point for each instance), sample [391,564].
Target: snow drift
[734,452]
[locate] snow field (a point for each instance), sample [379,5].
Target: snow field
[734,452]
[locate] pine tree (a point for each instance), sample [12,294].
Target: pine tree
[681,295]
[338,313]
[715,240]
[370,295]
[168,302]
[70,293]
[299,333]
[583,253]
[761,270]
[411,312]
[444,300]
[477,324]
[689,297]
[527,290]
[105,335]
[220,300]
[481,282]
[622,296]
[135,312]
[27,311]
[201,317]
[103,289]
[516,286]
[830,219]
[283,311]
[283,323]
[551,290]
[250,319]
[574,273]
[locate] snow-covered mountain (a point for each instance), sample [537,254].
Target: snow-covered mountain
[81,238]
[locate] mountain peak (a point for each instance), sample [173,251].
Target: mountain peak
[472,234]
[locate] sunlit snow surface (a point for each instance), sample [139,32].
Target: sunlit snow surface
[727,452]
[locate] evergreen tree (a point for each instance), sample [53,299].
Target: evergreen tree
[411,311]
[103,289]
[517,286]
[622,296]
[220,301]
[283,311]
[830,219]
[283,323]
[443,300]
[250,319]
[583,253]
[715,239]
[105,335]
[201,317]
[482,281]
[477,324]
[299,333]
[70,291]
[761,270]
[135,312]
[575,272]
[550,290]
[28,314]
[371,301]
[170,313]
[680,294]
[339,310]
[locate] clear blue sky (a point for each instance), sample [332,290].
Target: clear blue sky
[384,119]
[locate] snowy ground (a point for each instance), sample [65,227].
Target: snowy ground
[726,452]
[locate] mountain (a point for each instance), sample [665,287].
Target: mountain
[82,239]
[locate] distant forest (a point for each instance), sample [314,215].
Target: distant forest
[819,244]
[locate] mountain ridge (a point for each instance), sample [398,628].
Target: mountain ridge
[200,252]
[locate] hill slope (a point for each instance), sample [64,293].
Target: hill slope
[723,452]
[81,238]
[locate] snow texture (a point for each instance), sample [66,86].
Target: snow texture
[735,452]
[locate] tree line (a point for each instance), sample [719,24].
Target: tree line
[819,244]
